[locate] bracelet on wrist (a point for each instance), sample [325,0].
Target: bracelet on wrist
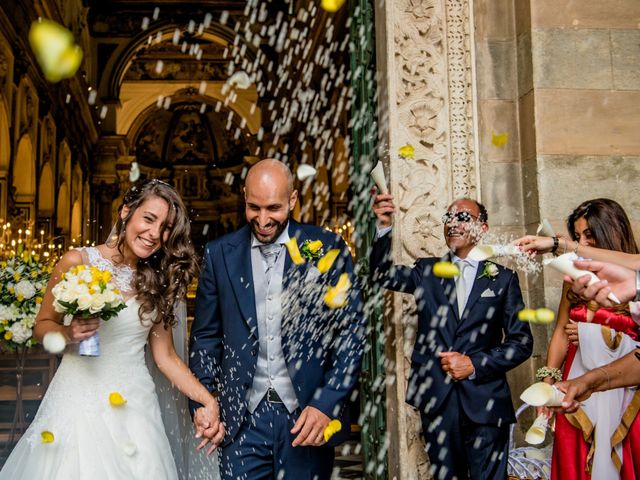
[556,242]
[545,372]
[575,250]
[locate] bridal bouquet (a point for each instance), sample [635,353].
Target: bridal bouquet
[23,280]
[85,293]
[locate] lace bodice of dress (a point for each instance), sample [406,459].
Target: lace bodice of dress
[121,275]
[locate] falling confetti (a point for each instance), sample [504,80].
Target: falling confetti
[334,427]
[499,140]
[325,263]
[332,6]
[47,437]
[55,50]
[407,151]
[240,80]
[54,342]
[134,173]
[445,270]
[544,316]
[527,315]
[336,297]
[305,171]
[294,251]
[116,399]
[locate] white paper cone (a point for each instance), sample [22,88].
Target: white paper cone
[535,435]
[483,252]
[545,229]
[564,264]
[378,177]
[305,171]
[542,394]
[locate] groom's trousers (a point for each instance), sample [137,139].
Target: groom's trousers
[262,449]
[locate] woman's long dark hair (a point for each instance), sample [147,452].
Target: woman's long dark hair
[161,279]
[609,226]
[608,223]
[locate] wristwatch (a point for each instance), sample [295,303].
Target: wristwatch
[637,298]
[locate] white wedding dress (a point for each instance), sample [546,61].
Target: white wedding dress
[96,440]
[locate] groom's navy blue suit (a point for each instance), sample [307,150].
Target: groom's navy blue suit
[322,347]
[464,422]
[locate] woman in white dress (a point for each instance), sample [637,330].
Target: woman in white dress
[152,262]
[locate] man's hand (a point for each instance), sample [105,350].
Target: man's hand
[310,428]
[456,365]
[384,208]
[613,278]
[575,390]
[571,330]
[207,423]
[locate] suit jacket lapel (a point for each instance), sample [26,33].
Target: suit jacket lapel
[237,257]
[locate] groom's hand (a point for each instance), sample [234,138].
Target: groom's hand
[310,428]
[208,425]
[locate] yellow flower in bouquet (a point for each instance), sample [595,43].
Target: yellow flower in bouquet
[86,293]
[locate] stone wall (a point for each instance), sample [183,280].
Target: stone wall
[550,96]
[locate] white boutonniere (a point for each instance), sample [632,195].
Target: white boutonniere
[490,271]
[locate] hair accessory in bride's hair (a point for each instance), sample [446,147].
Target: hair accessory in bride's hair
[157,180]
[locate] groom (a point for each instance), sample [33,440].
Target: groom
[282,363]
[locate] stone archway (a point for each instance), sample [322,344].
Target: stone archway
[46,192]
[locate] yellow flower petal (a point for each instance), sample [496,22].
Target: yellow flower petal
[294,251]
[527,315]
[336,297]
[47,436]
[544,316]
[445,270]
[332,5]
[116,399]
[407,151]
[8,335]
[314,246]
[499,140]
[334,427]
[325,263]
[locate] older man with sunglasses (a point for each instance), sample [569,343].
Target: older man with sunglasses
[468,337]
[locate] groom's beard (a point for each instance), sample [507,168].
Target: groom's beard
[280,226]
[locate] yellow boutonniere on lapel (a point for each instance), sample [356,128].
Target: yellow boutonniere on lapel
[490,271]
[312,250]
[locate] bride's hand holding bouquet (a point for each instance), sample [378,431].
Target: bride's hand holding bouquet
[88,295]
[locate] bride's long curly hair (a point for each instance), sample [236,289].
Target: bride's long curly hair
[162,278]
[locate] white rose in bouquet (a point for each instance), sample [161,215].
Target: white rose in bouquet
[20,332]
[25,289]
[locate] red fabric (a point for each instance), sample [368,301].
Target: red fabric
[569,458]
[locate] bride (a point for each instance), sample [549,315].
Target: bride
[100,417]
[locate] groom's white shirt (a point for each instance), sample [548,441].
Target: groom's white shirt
[271,368]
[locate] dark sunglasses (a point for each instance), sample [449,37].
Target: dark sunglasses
[463,217]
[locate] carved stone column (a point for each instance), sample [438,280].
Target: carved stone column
[105,183]
[427,99]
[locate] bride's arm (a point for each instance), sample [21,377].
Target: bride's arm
[177,372]
[48,320]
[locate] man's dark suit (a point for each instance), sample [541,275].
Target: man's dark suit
[322,347]
[489,333]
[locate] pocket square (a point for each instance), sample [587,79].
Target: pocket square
[488,293]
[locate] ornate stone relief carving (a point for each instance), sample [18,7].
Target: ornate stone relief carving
[434,103]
